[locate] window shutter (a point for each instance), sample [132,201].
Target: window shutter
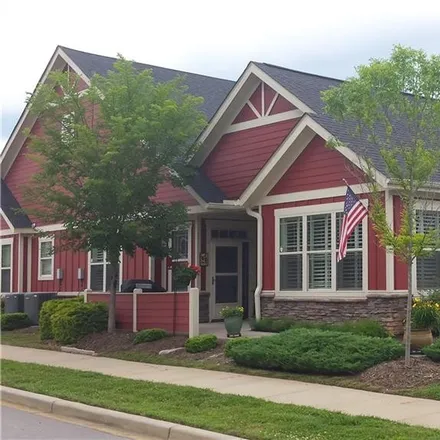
[291,272]
[428,272]
[291,234]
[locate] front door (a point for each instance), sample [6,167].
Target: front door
[226,281]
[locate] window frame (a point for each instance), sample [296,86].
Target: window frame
[8,242]
[188,260]
[304,212]
[104,271]
[46,277]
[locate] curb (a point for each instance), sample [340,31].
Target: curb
[158,429]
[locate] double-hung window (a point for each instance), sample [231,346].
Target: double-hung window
[428,268]
[6,265]
[99,271]
[308,240]
[180,250]
[45,259]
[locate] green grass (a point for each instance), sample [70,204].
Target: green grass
[25,339]
[427,392]
[235,415]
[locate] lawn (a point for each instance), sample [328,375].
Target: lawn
[31,338]
[246,417]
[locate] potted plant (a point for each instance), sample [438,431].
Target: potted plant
[233,318]
[425,317]
[184,274]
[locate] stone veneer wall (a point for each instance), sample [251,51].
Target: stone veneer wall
[389,309]
[204,307]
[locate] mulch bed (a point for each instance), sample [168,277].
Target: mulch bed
[394,375]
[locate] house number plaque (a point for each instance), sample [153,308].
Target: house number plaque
[203,259]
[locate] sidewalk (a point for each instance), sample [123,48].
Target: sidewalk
[355,402]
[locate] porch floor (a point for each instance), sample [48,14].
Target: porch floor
[218,329]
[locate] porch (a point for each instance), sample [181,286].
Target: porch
[218,328]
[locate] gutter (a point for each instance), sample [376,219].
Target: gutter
[257,293]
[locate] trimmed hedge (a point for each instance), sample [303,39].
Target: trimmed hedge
[48,310]
[69,324]
[149,335]
[14,321]
[232,343]
[366,327]
[433,351]
[316,351]
[201,343]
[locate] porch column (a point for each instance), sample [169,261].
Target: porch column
[197,246]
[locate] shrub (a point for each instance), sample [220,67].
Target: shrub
[2,305]
[232,343]
[149,335]
[425,314]
[433,351]
[13,321]
[201,343]
[47,311]
[366,327]
[77,320]
[229,312]
[316,351]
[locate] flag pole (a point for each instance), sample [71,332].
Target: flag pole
[345,182]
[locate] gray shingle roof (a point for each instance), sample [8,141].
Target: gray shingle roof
[9,206]
[308,87]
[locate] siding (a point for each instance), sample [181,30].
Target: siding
[137,266]
[167,193]
[239,156]
[3,225]
[376,254]
[400,268]
[317,167]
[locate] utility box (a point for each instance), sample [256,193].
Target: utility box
[14,302]
[33,302]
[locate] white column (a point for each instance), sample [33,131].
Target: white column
[29,264]
[86,292]
[136,292]
[193,312]
[197,245]
[389,266]
[20,270]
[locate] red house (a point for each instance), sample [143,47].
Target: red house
[264,208]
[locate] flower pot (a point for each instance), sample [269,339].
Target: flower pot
[420,339]
[233,325]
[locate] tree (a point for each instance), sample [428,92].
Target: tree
[395,104]
[103,155]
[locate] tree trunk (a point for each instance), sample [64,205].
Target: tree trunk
[408,316]
[113,269]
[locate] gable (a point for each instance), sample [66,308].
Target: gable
[262,103]
[317,167]
[4,226]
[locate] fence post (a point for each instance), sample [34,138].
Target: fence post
[193,312]
[135,311]
[86,292]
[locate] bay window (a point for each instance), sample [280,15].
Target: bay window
[308,240]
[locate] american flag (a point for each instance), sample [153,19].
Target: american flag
[354,212]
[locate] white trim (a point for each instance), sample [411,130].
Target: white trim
[29,264]
[271,105]
[42,240]
[197,246]
[196,196]
[104,274]
[263,99]
[50,228]
[20,265]
[336,191]
[5,217]
[151,267]
[389,212]
[188,260]
[252,107]
[264,120]
[427,205]
[6,232]
[303,212]
[10,242]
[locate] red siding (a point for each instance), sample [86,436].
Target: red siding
[167,193]
[376,254]
[239,156]
[136,267]
[269,94]
[400,268]
[3,225]
[67,260]
[256,100]
[246,114]
[317,167]
[281,105]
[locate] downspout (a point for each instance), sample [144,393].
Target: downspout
[259,287]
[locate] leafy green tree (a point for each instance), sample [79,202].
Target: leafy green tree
[103,155]
[395,104]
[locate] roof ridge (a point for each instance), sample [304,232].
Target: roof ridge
[149,65]
[302,72]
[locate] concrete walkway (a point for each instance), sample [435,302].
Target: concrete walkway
[398,408]
[218,329]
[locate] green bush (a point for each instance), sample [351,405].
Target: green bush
[201,343]
[232,343]
[433,351]
[77,320]
[13,321]
[366,327]
[149,335]
[316,351]
[2,305]
[47,311]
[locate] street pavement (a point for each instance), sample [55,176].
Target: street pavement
[18,424]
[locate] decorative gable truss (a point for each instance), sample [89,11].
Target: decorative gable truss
[265,106]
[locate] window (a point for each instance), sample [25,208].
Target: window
[99,273]
[308,249]
[428,268]
[180,254]
[45,259]
[67,131]
[6,266]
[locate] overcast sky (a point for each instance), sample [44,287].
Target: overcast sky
[214,38]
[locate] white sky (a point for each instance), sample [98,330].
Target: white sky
[214,38]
